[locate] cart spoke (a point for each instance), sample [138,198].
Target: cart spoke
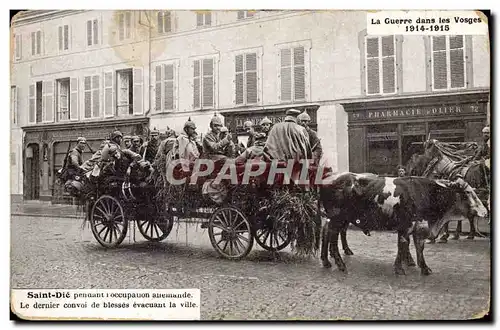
[243,238]
[100,231]
[231,247]
[226,221]
[106,234]
[236,246]
[225,246]
[219,227]
[101,210]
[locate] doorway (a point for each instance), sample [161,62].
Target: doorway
[32,172]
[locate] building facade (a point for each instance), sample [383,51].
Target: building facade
[372,99]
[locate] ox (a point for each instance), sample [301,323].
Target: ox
[415,206]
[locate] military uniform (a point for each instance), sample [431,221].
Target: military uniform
[317,150]
[213,145]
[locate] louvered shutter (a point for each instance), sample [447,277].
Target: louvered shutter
[299,82]
[251,78]
[208,19]
[241,14]
[208,82]
[457,61]
[48,101]
[138,92]
[108,94]
[89,33]
[96,96]
[60,37]
[196,84]
[199,19]
[18,46]
[158,89]
[286,74]
[13,105]
[167,21]
[239,79]
[388,65]
[128,24]
[39,42]
[372,63]
[169,87]
[73,111]
[66,37]
[121,26]
[96,32]
[160,22]
[87,97]
[33,43]
[32,104]
[440,67]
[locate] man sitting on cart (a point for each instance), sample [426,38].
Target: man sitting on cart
[214,144]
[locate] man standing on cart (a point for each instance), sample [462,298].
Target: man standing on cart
[317,151]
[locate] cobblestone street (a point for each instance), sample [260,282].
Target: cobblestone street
[56,253]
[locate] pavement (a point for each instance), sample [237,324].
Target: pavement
[54,252]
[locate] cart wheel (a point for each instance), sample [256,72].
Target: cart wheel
[273,235]
[108,222]
[230,233]
[158,228]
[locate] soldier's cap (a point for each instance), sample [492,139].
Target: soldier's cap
[189,124]
[265,120]
[127,137]
[292,112]
[216,120]
[136,138]
[304,116]
[155,131]
[248,123]
[486,129]
[116,134]
[81,139]
[224,129]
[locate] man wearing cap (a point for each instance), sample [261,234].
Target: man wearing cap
[304,120]
[484,150]
[127,141]
[136,144]
[213,143]
[75,158]
[150,148]
[230,149]
[248,127]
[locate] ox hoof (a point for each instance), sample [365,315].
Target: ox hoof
[342,268]
[327,264]
[431,241]
[399,271]
[470,237]
[348,252]
[426,271]
[411,263]
[443,240]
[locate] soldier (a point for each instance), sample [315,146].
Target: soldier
[484,150]
[186,146]
[230,149]
[213,144]
[261,137]
[248,127]
[317,151]
[75,159]
[113,145]
[136,143]
[149,149]
[127,141]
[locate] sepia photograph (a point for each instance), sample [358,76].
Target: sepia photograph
[250,164]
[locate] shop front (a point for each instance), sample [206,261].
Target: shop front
[386,133]
[46,146]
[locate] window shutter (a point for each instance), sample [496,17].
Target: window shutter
[299,87]
[87,99]
[251,78]
[160,22]
[48,101]
[66,37]
[286,74]
[138,99]
[208,82]
[33,43]
[89,33]
[60,37]
[372,63]
[241,14]
[108,94]
[73,107]
[128,24]
[158,89]
[457,61]
[388,65]
[167,21]
[239,79]
[196,84]
[208,19]
[96,96]
[39,42]
[199,19]
[169,87]
[31,101]
[13,105]
[96,32]
[18,46]
[439,63]
[121,26]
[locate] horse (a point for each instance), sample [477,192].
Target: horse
[474,173]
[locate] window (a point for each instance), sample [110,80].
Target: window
[18,46]
[41,102]
[164,22]
[203,83]
[246,79]
[125,94]
[204,19]
[124,25]
[380,65]
[36,42]
[91,96]
[63,99]
[92,32]
[165,87]
[292,74]
[242,14]
[13,103]
[448,62]
[63,35]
